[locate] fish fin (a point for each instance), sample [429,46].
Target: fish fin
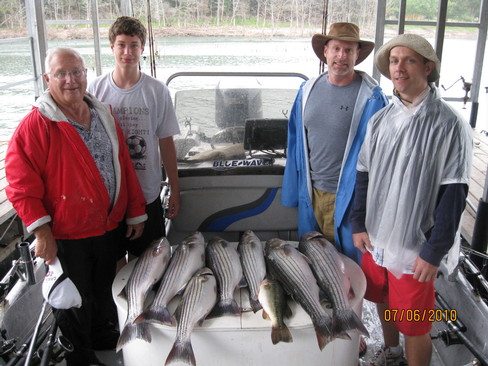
[265,315]
[181,291]
[133,331]
[243,282]
[322,331]
[347,319]
[324,298]
[202,319]
[159,315]
[281,334]
[182,352]
[123,293]
[287,313]
[225,308]
[351,295]
[255,305]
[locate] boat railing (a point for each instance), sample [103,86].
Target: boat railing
[242,73]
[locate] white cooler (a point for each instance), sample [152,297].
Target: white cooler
[246,339]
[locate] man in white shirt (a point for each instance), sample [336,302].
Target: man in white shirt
[411,188]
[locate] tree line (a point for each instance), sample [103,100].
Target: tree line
[260,13]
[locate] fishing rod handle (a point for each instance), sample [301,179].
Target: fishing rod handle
[26,260]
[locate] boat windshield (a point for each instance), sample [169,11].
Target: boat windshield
[231,121]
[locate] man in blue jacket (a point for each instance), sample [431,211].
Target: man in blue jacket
[325,132]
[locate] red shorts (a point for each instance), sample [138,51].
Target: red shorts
[410,302]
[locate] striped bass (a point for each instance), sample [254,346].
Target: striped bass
[253,264]
[292,270]
[148,270]
[198,299]
[329,270]
[275,308]
[188,257]
[223,260]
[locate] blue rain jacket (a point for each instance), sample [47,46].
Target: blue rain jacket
[297,183]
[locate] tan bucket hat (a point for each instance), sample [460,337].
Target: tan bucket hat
[343,32]
[414,42]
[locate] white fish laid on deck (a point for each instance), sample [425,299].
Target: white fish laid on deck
[291,268]
[223,260]
[187,258]
[275,308]
[251,252]
[329,270]
[148,270]
[198,299]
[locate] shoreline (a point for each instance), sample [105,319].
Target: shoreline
[86,32]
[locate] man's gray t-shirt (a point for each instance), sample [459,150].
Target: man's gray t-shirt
[327,120]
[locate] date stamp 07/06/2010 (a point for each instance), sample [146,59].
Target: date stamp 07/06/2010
[419,315]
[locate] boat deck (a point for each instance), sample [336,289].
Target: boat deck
[478,176]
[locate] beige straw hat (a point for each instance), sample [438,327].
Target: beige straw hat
[414,42]
[342,32]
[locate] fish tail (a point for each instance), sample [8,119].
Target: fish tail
[346,319]
[255,305]
[133,331]
[181,352]
[281,333]
[160,315]
[225,308]
[322,331]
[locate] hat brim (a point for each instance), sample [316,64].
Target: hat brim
[319,41]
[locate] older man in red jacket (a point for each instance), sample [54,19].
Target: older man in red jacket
[72,182]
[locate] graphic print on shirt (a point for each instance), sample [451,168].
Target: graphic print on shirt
[133,122]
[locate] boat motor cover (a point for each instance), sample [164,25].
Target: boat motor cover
[58,290]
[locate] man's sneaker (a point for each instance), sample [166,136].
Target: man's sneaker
[386,357]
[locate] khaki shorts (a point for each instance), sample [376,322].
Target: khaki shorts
[323,208]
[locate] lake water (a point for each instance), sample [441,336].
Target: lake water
[222,54]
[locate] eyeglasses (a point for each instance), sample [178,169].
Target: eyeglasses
[62,75]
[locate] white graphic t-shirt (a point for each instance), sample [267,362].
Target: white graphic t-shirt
[146,114]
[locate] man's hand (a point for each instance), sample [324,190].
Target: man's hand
[46,247]
[134,231]
[424,271]
[361,241]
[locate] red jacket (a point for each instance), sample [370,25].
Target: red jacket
[52,175]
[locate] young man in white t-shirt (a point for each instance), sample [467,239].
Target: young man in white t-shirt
[143,108]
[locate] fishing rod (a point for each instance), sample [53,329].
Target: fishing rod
[27,263]
[455,333]
[34,342]
[22,268]
[34,335]
[55,347]
[152,59]
[325,15]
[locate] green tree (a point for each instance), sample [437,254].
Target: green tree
[464,10]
